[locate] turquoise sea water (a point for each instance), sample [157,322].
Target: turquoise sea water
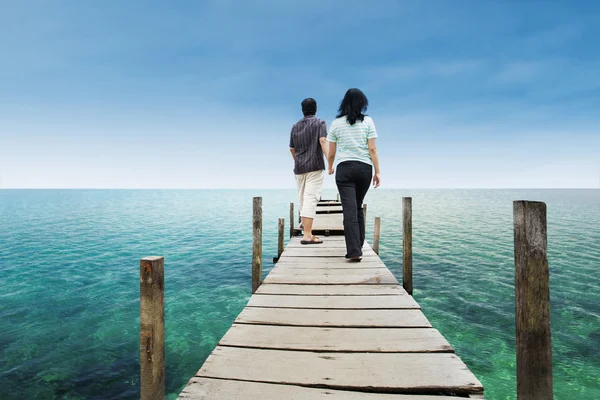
[69,280]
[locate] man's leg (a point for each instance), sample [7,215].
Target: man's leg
[300,184]
[312,192]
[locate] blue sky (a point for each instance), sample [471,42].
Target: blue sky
[202,94]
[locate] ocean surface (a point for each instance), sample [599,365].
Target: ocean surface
[69,281]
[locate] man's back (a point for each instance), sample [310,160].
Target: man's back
[305,139]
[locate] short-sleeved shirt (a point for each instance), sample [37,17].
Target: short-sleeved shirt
[352,140]
[305,138]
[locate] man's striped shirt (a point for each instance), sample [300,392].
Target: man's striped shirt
[305,138]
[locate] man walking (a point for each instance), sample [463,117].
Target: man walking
[308,145]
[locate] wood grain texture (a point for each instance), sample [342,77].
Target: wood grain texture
[532,290]
[374,276]
[330,290]
[315,250]
[393,373]
[334,318]
[329,260]
[407,259]
[220,389]
[256,243]
[375,340]
[329,209]
[334,302]
[152,328]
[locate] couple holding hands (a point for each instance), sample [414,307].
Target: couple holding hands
[351,138]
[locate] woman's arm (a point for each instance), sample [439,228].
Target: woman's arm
[375,159]
[331,156]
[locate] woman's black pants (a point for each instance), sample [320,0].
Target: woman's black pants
[353,179]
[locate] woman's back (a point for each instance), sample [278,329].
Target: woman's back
[352,140]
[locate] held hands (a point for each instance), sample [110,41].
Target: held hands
[376,180]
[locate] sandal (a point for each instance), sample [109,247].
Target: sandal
[312,241]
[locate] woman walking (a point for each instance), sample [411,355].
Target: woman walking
[352,139]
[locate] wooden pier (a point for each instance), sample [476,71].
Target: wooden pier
[322,327]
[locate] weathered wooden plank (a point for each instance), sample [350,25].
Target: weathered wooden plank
[329,209]
[314,250]
[330,290]
[327,243]
[329,221]
[399,372]
[329,203]
[334,260]
[220,389]
[334,318]
[378,340]
[374,276]
[352,269]
[287,264]
[334,302]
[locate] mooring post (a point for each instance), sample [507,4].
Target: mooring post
[291,220]
[532,290]
[152,328]
[376,228]
[256,243]
[280,237]
[407,280]
[365,218]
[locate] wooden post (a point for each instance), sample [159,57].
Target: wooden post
[407,244]
[280,237]
[256,243]
[532,289]
[291,220]
[365,217]
[152,328]
[377,228]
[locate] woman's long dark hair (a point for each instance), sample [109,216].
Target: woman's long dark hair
[353,106]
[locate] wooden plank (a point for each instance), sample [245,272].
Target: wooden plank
[374,276]
[329,203]
[334,318]
[333,260]
[352,269]
[426,373]
[334,302]
[378,340]
[327,243]
[287,264]
[220,389]
[314,250]
[329,209]
[330,290]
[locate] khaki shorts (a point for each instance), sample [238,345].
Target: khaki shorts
[309,186]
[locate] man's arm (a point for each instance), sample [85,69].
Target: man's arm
[292,146]
[324,148]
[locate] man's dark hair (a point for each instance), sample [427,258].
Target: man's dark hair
[353,106]
[309,106]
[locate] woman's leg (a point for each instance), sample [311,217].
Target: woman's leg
[344,180]
[363,181]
